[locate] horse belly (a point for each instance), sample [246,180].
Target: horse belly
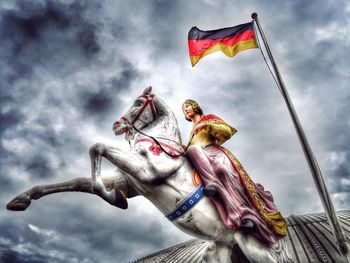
[204,222]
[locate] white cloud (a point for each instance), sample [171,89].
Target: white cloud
[334,32]
[5,241]
[49,235]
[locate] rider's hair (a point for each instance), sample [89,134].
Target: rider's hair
[195,106]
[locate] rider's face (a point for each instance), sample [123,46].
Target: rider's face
[188,111]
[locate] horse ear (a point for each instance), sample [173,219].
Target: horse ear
[147,91]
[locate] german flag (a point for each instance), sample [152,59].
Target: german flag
[230,40]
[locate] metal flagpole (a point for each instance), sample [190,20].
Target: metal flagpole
[338,232]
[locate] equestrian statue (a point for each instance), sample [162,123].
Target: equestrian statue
[201,188]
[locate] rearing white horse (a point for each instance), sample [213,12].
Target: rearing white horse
[166,181]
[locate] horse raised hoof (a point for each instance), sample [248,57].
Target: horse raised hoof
[19,203]
[114,197]
[120,199]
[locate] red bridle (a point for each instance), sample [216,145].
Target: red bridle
[149,101]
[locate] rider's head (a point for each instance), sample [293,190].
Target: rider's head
[195,107]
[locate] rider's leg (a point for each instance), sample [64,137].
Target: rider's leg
[202,164]
[211,170]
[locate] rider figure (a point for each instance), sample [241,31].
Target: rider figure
[242,204]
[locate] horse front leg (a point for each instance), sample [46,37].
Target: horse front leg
[125,161]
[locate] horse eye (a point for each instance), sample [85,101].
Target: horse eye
[139,103]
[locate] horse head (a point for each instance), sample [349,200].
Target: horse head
[141,113]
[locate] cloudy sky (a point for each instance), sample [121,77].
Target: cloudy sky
[69,69]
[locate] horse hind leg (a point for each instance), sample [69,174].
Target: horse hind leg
[217,252]
[115,190]
[254,250]
[257,252]
[23,201]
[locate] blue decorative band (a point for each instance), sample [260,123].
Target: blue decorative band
[186,205]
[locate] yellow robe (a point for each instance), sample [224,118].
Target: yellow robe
[215,132]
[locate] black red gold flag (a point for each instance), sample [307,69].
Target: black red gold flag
[230,40]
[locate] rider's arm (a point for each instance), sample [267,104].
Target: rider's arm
[221,131]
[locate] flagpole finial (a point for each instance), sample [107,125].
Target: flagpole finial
[254,15]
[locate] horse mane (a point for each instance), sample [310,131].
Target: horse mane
[167,117]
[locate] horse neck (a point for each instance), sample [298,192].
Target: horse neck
[165,125]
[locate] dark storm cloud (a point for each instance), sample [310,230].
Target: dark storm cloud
[52,34]
[38,166]
[297,23]
[106,98]
[146,235]
[88,40]
[119,31]
[98,239]
[98,103]
[164,18]
[311,13]
[335,117]
[10,256]
[32,20]
[44,32]
[320,64]
[340,182]
[47,147]
[8,119]
[297,17]
[28,243]
[81,223]
[58,37]
[6,183]
[164,30]
[128,74]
